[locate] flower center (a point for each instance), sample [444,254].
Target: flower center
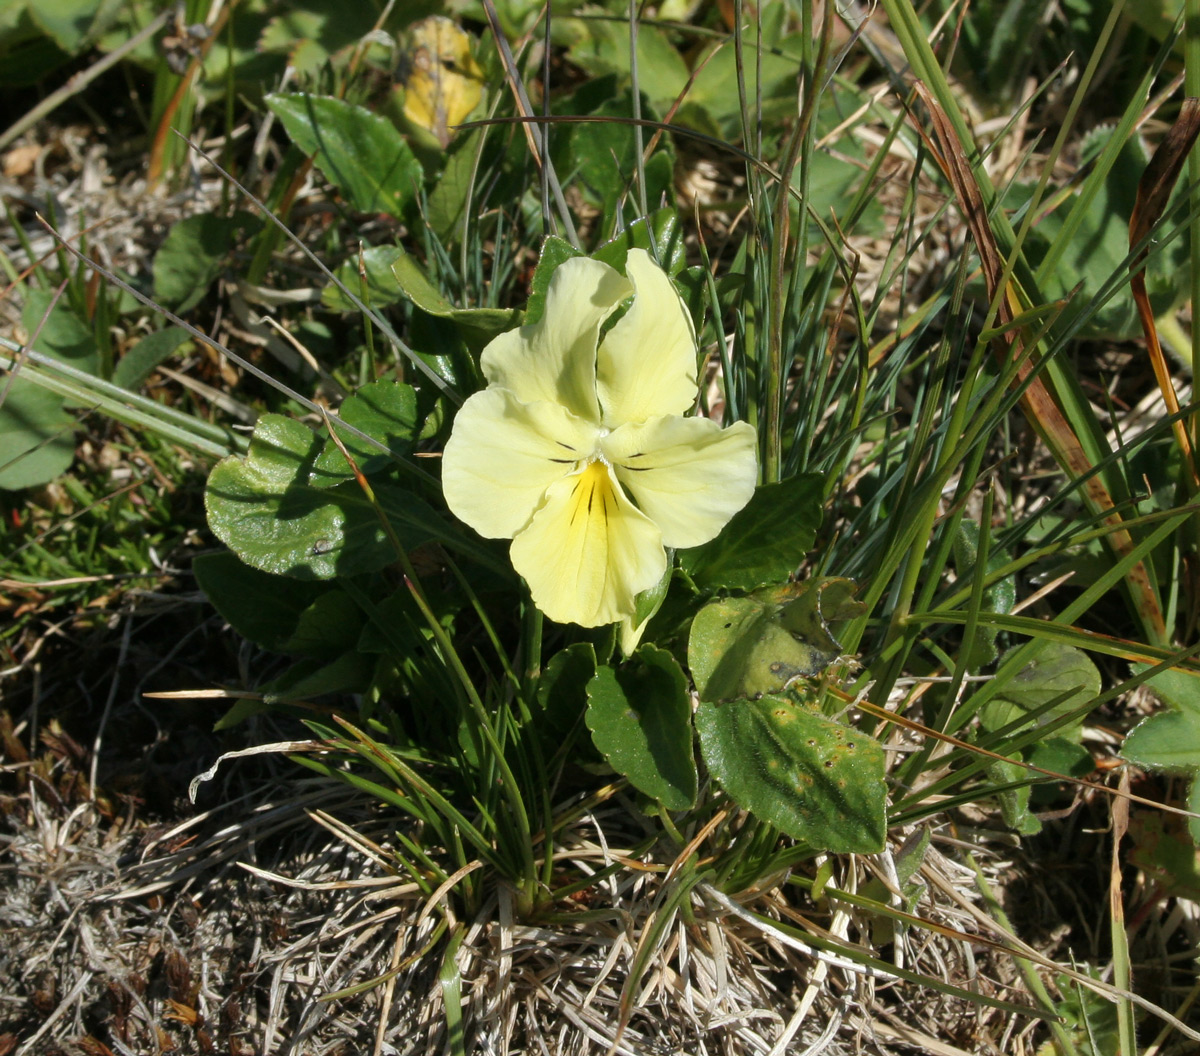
[592,491]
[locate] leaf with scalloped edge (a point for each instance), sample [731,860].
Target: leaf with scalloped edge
[387,412]
[360,153]
[266,509]
[640,718]
[809,776]
[761,643]
[765,541]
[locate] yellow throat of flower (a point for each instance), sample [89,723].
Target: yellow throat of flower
[592,496]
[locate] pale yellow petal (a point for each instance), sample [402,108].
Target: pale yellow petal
[629,634]
[688,475]
[554,359]
[502,455]
[647,361]
[588,552]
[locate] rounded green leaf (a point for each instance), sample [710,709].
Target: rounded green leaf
[1167,741]
[266,509]
[382,287]
[361,153]
[192,256]
[660,234]
[807,775]
[236,591]
[37,437]
[640,718]
[1174,686]
[745,647]
[386,411]
[765,541]
[562,687]
[554,252]
[1059,680]
[476,325]
[61,333]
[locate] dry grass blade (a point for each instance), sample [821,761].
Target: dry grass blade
[1153,193]
[1116,910]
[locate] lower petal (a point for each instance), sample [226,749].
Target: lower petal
[688,475]
[588,552]
[502,455]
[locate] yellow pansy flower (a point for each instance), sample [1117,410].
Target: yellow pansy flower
[577,450]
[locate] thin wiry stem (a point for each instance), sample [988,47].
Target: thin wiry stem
[522,97]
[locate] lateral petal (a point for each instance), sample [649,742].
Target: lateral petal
[646,365]
[588,552]
[554,359]
[688,475]
[502,455]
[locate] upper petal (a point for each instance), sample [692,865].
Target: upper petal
[555,358]
[502,455]
[588,552]
[688,475]
[646,365]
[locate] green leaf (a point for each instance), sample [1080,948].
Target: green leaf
[714,100]
[266,510]
[1059,680]
[192,256]
[1167,741]
[349,673]
[1098,248]
[37,436]
[554,252]
[601,46]
[477,325]
[313,32]
[1170,740]
[447,202]
[328,627]
[450,357]
[237,591]
[745,647]
[1014,802]
[151,351]
[63,334]
[1091,1018]
[68,22]
[809,776]
[640,718]
[394,626]
[562,686]
[28,55]
[386,411]
[650,600]
[1193,804]
[1174,687]
[833,184]
[659,234]
[1163,850]
[382,287]
[603,157]
[765,541]
[1062,756]
[360,153]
